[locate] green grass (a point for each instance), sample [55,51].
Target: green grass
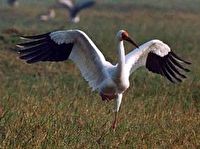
[49,105]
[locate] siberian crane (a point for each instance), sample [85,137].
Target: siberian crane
[109,80]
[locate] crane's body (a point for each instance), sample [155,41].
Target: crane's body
[111,81]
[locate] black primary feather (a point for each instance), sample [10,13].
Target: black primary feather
[43,48]
[177,57]
[167,66]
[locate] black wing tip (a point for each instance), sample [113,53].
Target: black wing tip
[167,66]
[189,63]
[171,77]
[173,68]
[32,43]
[43,48]
[35,37]
[177,63]
[171,61]
[186,62]
[182,76]
[180,59]
[187,70]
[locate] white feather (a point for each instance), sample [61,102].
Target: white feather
[85,55]
[138,57]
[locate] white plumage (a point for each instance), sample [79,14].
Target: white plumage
[85,55]
[111,81]
[138,57]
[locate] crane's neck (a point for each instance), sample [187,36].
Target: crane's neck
[121,58]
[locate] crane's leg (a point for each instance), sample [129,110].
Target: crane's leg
[114,125]
[117,107]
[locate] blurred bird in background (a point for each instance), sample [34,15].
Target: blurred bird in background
[72,8]
[13,3]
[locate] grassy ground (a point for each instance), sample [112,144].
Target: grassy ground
[49,105]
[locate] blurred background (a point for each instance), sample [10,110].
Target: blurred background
[49,105]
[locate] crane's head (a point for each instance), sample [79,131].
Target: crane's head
[123,35]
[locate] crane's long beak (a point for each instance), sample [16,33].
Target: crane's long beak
[131,41]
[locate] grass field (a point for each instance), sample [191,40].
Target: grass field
[49,105]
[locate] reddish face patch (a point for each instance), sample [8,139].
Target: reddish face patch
[124,35]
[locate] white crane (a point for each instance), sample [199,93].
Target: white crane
[111,81]
[73,9]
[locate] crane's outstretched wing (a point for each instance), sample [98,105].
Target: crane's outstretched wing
[61,45]
[158,58]
[80,6]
